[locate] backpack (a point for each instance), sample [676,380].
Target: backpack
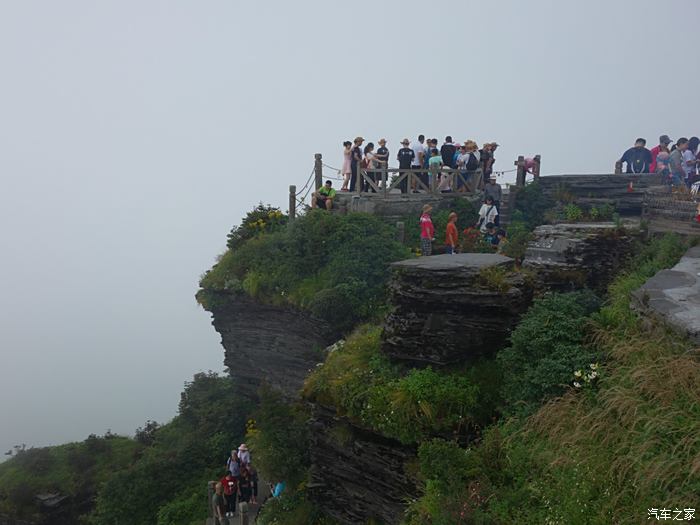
[472,163]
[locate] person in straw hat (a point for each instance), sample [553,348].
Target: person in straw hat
[243,454]
[427,231]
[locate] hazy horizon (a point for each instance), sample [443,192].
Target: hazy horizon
[134,135]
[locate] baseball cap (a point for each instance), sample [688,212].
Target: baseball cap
[664,139]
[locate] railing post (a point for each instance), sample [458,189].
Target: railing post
[292,202]
[318,171]
[618,167]
[520,172]
[385,178]
[210,496]
[400,232]
[536,169]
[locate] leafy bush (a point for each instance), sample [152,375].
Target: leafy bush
[517,238]
[262,218]
[278,439]
[531,204]
[546,347]
[333,265]
[573,213]
[363,385]
[292,509]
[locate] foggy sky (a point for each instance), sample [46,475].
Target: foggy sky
[134,134]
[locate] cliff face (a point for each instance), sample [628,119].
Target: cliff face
[358,475]
[451,308]
[268,344]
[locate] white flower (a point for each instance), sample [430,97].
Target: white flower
[594,366]
[577,373]
[593,375]
[577,384]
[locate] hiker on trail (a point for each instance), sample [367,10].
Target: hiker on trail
[323,197]
[487,214]
[664,141]
[451,235]
[278,488]
[419,152]
[676,163]
[493,189]
[233,464]
[245,488]
[253,483]
[447,152]
[244,453]
[382,157]
[638,158]
[405,157]
[355,161]
[230,486]
[347,170]
[219,504]
[427,231]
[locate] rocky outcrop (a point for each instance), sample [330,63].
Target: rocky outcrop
[275,345]
[452,308]
[357,475]
[674,295]
[595,190]
[566,257]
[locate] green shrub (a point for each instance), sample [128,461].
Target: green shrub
[334,265]
[363,385]
[517,238]
[531,204]
[573,213]
[262,218]
[546,347]
[278,439]
[292,509]
[185,509]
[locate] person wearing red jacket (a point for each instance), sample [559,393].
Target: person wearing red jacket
[451,234]
[230,485]
[427,231]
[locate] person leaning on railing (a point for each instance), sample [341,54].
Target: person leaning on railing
[323,197]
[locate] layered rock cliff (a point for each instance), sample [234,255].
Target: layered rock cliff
[452,308]
[274,345]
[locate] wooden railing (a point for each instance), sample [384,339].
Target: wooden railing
[382,181]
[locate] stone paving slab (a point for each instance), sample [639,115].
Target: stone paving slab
[673,295]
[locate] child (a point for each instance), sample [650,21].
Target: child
[502,241]
[490,235]
[427,231]
[451,235]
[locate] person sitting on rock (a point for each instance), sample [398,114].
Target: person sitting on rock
[324,196]
[487,214]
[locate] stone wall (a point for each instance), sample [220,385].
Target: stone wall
[357,475]
[452,308]
[268,344]
[595,190]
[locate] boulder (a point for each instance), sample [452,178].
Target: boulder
[275,345]
[452,308]
[566,257]
[674,295]
[356,474]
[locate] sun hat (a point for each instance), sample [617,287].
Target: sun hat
[243,447]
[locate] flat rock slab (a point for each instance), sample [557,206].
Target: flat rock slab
[453,308]
[674,295]
[461,261]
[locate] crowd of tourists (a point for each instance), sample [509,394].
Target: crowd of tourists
[487,227]
[423,155]
[677,162]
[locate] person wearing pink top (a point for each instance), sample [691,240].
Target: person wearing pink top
[427,231]
[664,141]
